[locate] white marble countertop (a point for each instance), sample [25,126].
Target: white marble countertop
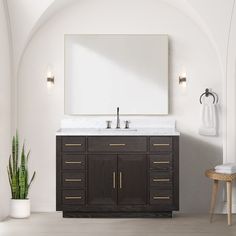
[114,132]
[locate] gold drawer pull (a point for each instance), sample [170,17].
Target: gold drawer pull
[161,162]
[161,180]
[73,144]
[161,144]
[120,180]
[117,144]
[73,162]
[161,198]
[73,198]
[73,180]
[114,179]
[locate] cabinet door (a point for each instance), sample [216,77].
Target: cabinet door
[102,179]
[132,175]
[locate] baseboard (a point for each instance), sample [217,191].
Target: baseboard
[222,208]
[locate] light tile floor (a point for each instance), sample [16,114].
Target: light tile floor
[50,224]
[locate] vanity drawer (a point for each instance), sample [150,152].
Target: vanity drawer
[73,144]
[73,162]
[158,179]
[159,144]
[117,144]
[73,197]
[161,162]
[73,180]
[161,197]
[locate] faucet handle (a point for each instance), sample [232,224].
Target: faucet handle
[108,124]
[127,122]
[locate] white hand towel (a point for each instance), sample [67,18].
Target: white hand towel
[226,166]
[208,119]
[225,171]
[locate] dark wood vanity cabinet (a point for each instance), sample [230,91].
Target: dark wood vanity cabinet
[102,171]
[117,179]
[132,179]
[117,176]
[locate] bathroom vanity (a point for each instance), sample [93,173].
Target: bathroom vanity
[115,174]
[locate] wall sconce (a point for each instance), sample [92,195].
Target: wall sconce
[183,80]
[50,79]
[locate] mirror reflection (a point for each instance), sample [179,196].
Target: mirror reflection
[103,72]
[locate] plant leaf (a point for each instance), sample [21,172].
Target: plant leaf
[17,148]
[32,178]
[14,154]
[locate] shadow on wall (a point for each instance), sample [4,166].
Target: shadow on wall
[4,192]
[171,75]
[195,157]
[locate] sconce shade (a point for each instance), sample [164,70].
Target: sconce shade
[182,80]
[50,77]
[50,80]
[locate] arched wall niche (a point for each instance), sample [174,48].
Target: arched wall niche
[182,5]
[40,110]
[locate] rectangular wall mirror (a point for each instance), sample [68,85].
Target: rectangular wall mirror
[103,72]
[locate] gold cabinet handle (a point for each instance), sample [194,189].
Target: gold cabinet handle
[73,144]
[73,162]
[161,198]
[161,162]
[73,198]
[161,180]
[114,179]
[73,180]
[117,144]
[160,144]
[120,180]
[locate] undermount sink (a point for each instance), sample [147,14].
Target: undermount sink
[117,130]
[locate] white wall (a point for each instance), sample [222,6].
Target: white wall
[23,15]
[40,110]
[5,108]
[209,11]
[231,99]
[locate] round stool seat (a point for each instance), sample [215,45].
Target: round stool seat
[220,176]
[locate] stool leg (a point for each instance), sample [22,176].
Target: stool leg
[213,198]
[229,201]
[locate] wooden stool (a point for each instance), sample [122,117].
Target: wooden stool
[228,178]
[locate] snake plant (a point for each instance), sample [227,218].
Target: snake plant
[18,171]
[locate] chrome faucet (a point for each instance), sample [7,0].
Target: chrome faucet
[118,118]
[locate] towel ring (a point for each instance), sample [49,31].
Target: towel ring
[207,93]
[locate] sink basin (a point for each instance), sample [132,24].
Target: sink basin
[117,130]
